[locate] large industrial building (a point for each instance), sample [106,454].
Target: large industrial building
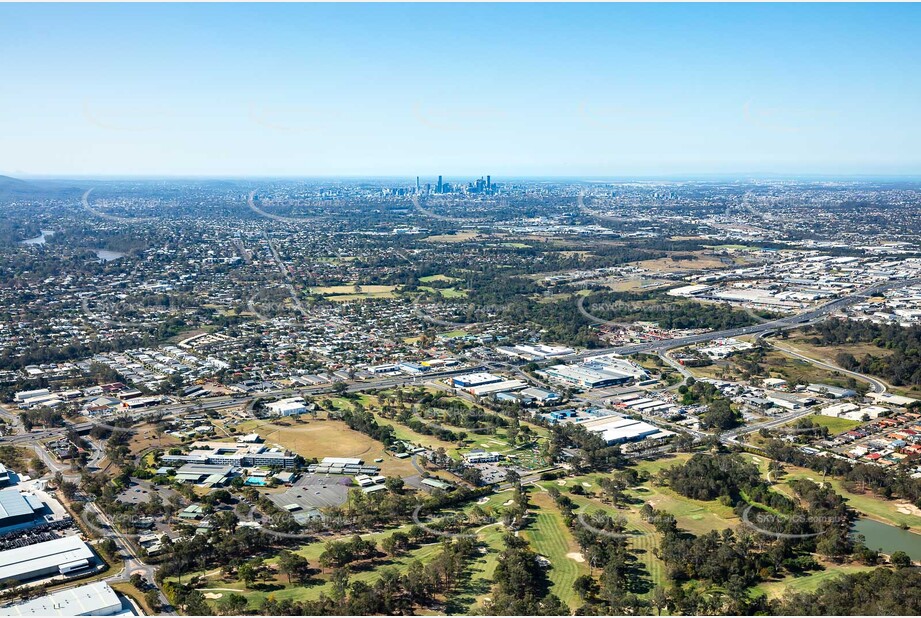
[58,557]
[492,388]
[617,430]
[597,372]
[17,508]
[470,380]
[96,599]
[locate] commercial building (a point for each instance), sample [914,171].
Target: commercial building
[584,376]
[4,476]
[790,402]
[287,407]
[349,466]
[895,400]
[539,396]
[481,456]
[832,392]
[17,508]
[23,395]
[690,290]
[534,352]
[619,430]
[469,380]
[492,388]
[238,455]
[206,474]
[96,599]
[839,409]
[58,557]
[721,348]
[434,483]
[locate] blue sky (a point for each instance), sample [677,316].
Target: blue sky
[459,89]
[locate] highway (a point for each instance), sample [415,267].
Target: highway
[794,321]
[876,385]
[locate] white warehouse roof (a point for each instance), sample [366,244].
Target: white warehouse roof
[96,599]
[25,562]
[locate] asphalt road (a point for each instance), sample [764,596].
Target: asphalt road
[794,321]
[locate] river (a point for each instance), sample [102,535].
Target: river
[38,240]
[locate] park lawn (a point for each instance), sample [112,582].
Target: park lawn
[476,586]
[806,583]
[320,583]
[453,334]
[548,535]
[654,466]
[404,433]
[432,278]
[445,292]
[835,425]
[696,516]
[343,298]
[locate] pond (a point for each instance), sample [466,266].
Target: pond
[107,256]
[887,538]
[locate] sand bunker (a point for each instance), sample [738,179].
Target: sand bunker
[907,508]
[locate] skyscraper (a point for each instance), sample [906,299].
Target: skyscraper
[440,186]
